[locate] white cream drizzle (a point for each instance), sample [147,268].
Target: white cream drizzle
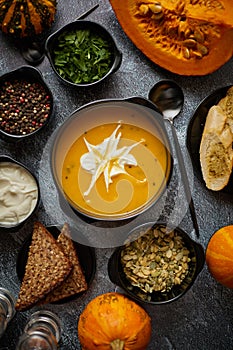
[105,158]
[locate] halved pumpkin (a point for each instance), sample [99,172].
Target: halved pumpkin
[187,37]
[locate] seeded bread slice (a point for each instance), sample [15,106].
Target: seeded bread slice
[46,268]
[75,282]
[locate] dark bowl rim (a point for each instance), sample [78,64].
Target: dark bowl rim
[117,53]
[114,261]
[143,102]
[37,77]
[6,158]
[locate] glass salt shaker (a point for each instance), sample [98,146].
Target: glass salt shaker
[7,309]
[42,332]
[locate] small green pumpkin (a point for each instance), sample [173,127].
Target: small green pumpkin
[26,18]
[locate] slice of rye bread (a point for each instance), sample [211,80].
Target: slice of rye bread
[75,282]
[46,268]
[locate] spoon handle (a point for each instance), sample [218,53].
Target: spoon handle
[88,12]
[185,180]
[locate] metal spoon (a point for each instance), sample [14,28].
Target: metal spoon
[169,99]
[33,51]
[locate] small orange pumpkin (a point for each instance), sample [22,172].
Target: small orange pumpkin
[113,321]
[219,256]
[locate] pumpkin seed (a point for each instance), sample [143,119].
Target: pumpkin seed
[202,49]
[176,280]
[156,261]
[187,33]
[199,36]
[169,253]
[164,249]
[156,8]
[179,256]
[143,9]
[197,54]
[182,27]
[186,52]
[190,43]
[156,233]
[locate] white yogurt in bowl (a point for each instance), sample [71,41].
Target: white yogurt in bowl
[19,193]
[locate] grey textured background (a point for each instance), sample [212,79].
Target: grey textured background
[203,318]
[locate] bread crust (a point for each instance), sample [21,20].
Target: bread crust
[75,283]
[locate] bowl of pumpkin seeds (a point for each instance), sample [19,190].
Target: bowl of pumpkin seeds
[157,264]
[83,53]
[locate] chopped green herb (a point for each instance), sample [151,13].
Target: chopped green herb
[82,56]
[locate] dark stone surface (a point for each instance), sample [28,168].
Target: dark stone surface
[203,318]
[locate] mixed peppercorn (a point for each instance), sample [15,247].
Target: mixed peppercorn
[24,106]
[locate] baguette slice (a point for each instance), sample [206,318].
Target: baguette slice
[216,154]
[226,104]
[75,282]
[46,268]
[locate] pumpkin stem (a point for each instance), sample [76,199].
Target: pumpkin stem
[117,344]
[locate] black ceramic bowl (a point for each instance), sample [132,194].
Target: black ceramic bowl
[26,103]
[118,276]
[96,29]
[19,192]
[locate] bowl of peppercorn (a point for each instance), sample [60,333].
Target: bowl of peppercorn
[83,53]
[157,264]
[26,103]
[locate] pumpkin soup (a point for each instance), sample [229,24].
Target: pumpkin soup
[114,168]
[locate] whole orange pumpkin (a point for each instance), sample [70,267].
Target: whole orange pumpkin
[219,256]
[113,321]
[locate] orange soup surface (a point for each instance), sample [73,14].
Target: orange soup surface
[131,188]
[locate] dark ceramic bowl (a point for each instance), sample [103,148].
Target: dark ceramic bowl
[26,103]
[118,276]
[51,46]
[137,112]
[19,192]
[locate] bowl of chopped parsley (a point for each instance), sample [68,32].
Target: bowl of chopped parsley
[83,53]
